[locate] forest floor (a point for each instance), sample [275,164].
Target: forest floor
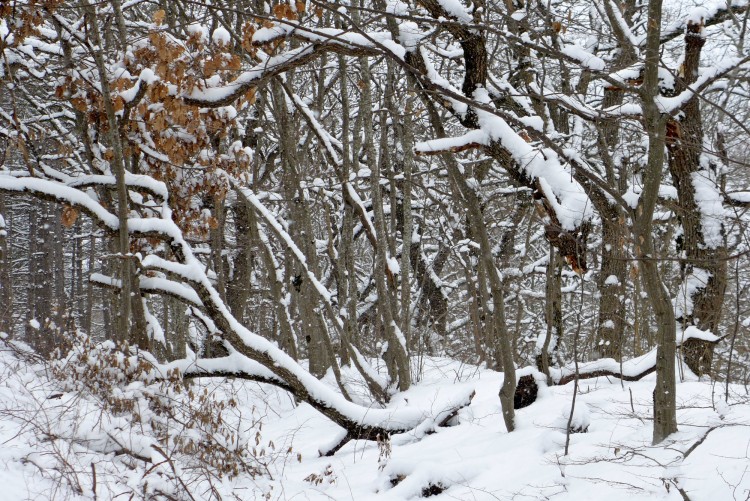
[46,451]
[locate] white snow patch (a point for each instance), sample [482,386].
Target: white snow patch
[456,10]
[612,280]
[696,280]
[393,265]
[584,57]
[221,36]
[200,30]
[710,204]
[463,459]
[693,332]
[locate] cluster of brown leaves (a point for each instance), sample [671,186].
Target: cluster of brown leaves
[216,445]
[69,216]
[24,18]
[326,476]
[185,146]
[285,11]
[96,368]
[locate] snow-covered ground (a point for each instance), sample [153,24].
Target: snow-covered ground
[48,445]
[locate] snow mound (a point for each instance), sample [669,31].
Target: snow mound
[472,457]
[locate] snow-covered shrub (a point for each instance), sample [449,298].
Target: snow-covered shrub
[159,436]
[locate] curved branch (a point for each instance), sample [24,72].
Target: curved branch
[263,72]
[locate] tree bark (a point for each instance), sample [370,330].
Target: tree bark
[703,267]
[665,412]
[118,164]
[6,284]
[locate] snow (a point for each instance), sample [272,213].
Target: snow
[199,30]
[693,332]
[707,75]
[587,59]
[393,265]
[155,331]
[232,364]
[700,14]
[473,460]
[696,280]
[171,287]
[633,195]
[454,9]
[397,7]
[567,198]
[221,36]
[324,293]
[409,35]
[740,196]
[668,192]
[328,140]
[447,144]
[192,270]
[697,15]
[630,368]
[147,183]
[581,419]
[211,94]
[709,200]
[62,193]
[267,34]
[612,280]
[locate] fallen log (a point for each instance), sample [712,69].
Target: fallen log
[391,421]
[631,370]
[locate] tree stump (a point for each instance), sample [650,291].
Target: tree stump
[526,392]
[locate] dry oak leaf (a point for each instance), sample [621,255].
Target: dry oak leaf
[68,216]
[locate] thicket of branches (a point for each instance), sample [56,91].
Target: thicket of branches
[235,187]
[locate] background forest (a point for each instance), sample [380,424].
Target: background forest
[328,197]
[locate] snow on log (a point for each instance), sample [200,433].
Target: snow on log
[470,140]
[632,370]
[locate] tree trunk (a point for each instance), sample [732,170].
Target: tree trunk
[396,356]
[665,412]
[552,313]
[703,267]
[6,284]
[303,293]
[118,164]
[238,288]
[611,283]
